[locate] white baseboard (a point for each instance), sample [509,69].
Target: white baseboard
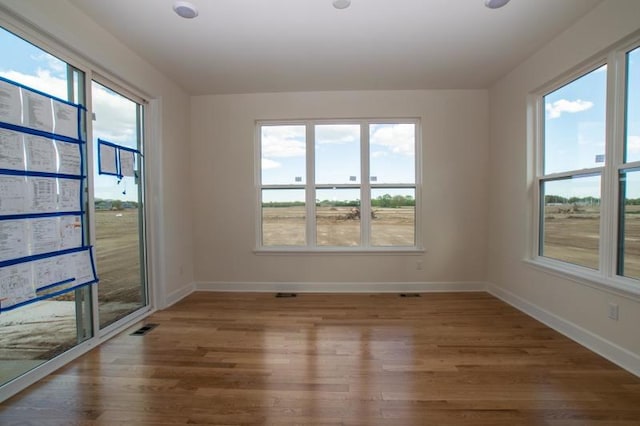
[339,287]
[179,294]
[609,350]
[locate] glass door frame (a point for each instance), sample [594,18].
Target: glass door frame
[142,131]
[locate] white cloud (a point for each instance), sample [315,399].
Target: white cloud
[337,133]
[397,138]
[58,67]
[42,81]
[115,117]
[283,141]
[269,164]
[378,154]
[555,109]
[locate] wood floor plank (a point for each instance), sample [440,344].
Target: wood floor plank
[365,359]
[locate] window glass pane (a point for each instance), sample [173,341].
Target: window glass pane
[33,334]
[629,245]
[574,125]
[337,151]
[392,153]
[119,210]
[393,217]
[571,220]
[338,217]
[632,151]
[283,217]
[26,64]
[283,152]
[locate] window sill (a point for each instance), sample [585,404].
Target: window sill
[415,251]
[619,286]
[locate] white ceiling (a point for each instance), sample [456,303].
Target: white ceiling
[248,46]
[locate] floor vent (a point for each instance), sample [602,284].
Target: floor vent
[286,295]
[144,330]
[409,294]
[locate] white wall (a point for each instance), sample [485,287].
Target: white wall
[577,308]
[454,193]
[168,150]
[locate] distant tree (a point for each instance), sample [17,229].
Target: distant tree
[632,201]
[555,199]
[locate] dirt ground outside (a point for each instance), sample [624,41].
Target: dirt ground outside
[338,226]
[574,236]
[117,261]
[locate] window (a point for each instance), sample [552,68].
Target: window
[36,333]
[573,160]
[588,171]
[338,185]
[629,175]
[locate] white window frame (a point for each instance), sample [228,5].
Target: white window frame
[365,187]
[606,277]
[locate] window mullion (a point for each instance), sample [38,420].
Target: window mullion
[613,158]
[538,156]
[310,194]
[365,192]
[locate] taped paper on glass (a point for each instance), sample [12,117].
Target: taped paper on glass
[66,119]
[37,112]
[14,195]
[41,278]
[42,195]
[41,154]
[10,103]
[127,163]
[52,270]
[65,272]
[107,163]
[69,195]
[14,242]
[70,229]
[44,235]
[69,160]
[11,150]
[16,285]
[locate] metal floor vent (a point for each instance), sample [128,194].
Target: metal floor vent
[144,330]
[409,294]
[286,295]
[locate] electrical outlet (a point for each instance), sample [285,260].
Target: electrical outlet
[613,311]
[419,265]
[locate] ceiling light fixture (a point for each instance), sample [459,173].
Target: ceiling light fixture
[341,4]
[495,4]
[185,9]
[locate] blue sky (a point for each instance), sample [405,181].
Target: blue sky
[22,62]
[337,158]
[575,131]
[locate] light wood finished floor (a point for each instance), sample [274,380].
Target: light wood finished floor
[248,359]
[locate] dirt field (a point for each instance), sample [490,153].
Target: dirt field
[337,226]
[574,237]
[117,262]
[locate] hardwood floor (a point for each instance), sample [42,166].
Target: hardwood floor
[245,359]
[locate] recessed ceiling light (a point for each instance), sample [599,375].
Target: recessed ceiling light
[341,4]
[185,9]
[495,4]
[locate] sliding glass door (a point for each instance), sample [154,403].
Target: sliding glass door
[119,203]
[35,333]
